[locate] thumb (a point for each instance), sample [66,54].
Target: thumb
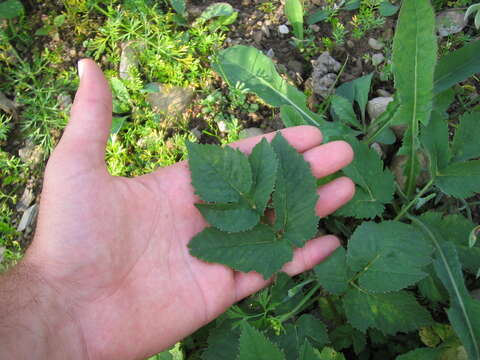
[85,137]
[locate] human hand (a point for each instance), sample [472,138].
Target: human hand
[115,249]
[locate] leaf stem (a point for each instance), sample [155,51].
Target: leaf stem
[404,210]
[299,306]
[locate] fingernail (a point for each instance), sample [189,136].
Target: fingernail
[81,68]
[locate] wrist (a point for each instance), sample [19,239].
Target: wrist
[35,320]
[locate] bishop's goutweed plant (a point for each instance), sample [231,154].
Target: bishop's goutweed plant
[401,287]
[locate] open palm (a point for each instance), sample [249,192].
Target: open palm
[116,248]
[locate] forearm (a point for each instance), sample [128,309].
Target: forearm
[34,321]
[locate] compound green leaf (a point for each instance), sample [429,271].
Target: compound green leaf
[414,58]
[389,255]
[457,66]
[330,354]
[464,312]
[232,217]
[466,144]
[257,249]
[294,12]
[264,164]
[332,273]
[345,336]
[421,354]
[10,9]
[294,201]
[375,185]
[460,180]
[223,343]
[219,175]
[255,346]
[390,313]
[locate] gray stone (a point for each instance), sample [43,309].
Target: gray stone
[28,218]
[350,44]
[170,99]
[266,30]
[377,59]
[257,37]
[283,29]
[2,251]
[450,22]
[251,132]
[375,44]
[31,153]
[377,106]
[128,59]
[197,133]
[324,74]
[315,28]
[64,101]
[25,201]
[270,53]
[222,126]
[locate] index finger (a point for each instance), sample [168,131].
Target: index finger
[302,138]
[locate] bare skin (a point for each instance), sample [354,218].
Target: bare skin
[108,275]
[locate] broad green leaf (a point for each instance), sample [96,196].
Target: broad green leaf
[389,255]
[264,164]
[294,12]
[460,180]
[290,116]
[330,354]
[345,336]
[253,250]
[414,59]
[457,66]
[362,89]
[442,102]
[421,354]
[59,20]
[308,352]
[352,4]
[10,9]
[375,185]
[255,346]
[217,10]
[387,9]
[343,109]
[247,65]
[317,16]
[434,138]
[332,273]
[466,144]
[221,175]
[179,6]
[223,343]
[455,229]
[431,287]
[117,124]
[233,217]
[464,312]
[390,313]
[294,200]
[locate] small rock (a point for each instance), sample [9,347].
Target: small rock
[383,93]
[222,126]
[324,74]
[388,34]
[25,200]
[2,251]
[270,53]
[315,28]
[450,21]
[246,2]
[31,153]
[377,59]
[375,44]
[64,102]
[377,106]
[7,105]
[170,99]
[283,29]
[251,132]
[28,218]
[350,44]
[266,30]
[128,59]
[295,66]
[257,37]
[378,149]
[397,167]
[195,10]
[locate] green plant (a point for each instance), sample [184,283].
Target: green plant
[411,251]
[294,13]
[10,9]
[472,10]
